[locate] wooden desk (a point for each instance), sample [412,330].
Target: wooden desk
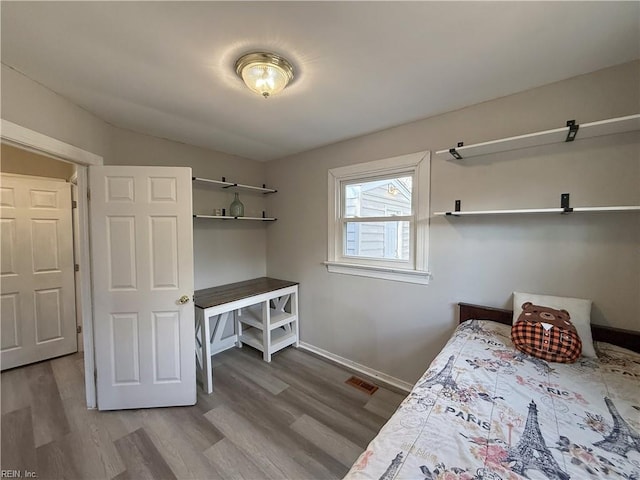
[263,312]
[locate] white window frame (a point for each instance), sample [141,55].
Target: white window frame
[416,269]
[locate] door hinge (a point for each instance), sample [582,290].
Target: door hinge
[79,329]
[74,204]
[76,268]
[88,194]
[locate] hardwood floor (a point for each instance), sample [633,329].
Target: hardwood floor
[294,418]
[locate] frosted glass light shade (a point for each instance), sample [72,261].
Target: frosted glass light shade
[265,73]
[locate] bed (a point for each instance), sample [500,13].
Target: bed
[485,411]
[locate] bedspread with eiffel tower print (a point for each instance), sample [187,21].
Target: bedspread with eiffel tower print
[485,411]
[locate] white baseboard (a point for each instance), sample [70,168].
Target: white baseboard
[382,377]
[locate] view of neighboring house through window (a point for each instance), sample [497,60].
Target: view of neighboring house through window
[378,215]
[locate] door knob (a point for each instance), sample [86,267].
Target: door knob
[183,299]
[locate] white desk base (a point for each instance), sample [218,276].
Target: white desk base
[267,322]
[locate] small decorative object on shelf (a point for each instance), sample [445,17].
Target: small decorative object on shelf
[236,209]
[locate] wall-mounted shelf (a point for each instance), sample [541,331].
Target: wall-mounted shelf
[564,208]
[224,185]
[632,208]
[568,133]
[227,217]
[233,186]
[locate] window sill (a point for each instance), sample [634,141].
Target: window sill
[384,273]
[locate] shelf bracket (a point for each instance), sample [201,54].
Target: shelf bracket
[564,203]
[454,153]
[457,206]
[573,130]
[224,180]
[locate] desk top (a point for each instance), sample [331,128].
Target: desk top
[210,297]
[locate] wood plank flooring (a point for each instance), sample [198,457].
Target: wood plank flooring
[294,418]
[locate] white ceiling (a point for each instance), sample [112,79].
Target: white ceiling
[166,68]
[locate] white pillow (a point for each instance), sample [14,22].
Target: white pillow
[578,308]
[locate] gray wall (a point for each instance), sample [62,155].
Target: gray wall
[398,328]
[29,104]
[224,251]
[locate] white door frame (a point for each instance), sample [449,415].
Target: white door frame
[26,139]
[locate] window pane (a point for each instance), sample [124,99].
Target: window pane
[383,240]
[378,198]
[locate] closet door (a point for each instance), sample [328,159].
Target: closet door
[37,274]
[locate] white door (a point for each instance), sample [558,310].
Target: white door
[38,291]
[142,269]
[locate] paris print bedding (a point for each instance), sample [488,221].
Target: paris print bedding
[485,411]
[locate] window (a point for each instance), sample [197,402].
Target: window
[377,215]
[379,218]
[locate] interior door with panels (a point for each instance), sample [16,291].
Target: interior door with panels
[142,259]
[37,274]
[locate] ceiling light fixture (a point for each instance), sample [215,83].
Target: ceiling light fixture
[265,73]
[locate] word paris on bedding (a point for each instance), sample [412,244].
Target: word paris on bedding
[485,410]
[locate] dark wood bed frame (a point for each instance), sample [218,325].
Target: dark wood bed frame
[617,336]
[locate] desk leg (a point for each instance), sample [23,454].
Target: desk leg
[294,310]
[207,377]
[238,324]
[266,333]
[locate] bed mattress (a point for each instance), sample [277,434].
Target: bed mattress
[485,411]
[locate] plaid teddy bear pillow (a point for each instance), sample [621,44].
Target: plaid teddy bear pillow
[546,333]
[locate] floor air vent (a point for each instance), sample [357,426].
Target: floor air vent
[360,384]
